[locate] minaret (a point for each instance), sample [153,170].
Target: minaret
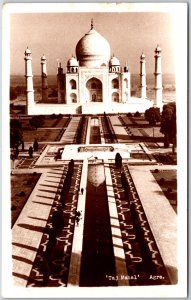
[158,78]
[125,84]
[142,76]
[44,79]
[29,79]
[59,79]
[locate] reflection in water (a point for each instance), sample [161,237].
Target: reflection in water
[95,131]
[98,260]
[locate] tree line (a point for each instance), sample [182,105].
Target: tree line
[167,121]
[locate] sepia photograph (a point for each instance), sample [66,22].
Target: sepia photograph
[94,123]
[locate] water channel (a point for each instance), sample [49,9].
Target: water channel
[95,137]
[97,251]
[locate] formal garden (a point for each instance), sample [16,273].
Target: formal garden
[41,135]
[21,188]
[41,128]
[167,179]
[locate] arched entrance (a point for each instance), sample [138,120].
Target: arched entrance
[94,89]
[115,97]
[73,84]
[73,98]
[115,83]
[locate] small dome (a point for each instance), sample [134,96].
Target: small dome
[43,57]
[142,56]
[114,61]
[72,62]
[93,50]
[27,51]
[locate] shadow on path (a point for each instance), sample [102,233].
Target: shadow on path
[32,227]
[25,246]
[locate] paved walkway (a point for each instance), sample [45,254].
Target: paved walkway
[70,131]
[75,261]
[119,130]
[29,227]
[160,214]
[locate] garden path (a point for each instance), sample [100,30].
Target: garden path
[164,226]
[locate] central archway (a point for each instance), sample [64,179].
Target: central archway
[94,88]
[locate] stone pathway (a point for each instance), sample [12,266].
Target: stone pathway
[119,130]
[70,131]
[75,261]
[29,227]
[160,214]
[61,253]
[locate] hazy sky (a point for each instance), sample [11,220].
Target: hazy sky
[56,34]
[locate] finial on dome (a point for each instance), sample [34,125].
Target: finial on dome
[92,23]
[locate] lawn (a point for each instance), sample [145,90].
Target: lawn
[140,121]
[126,120]
[152,146]
[48,122]
[142,156]
[166,158]
[167,179]
[26,162]
[41,135]
[55,122]
[21,188]
[136,132]
[150,132]
[62,122]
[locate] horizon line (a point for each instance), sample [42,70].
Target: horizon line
[56,74]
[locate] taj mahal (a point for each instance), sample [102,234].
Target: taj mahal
[94,81]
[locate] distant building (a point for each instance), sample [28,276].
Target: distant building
[94,81]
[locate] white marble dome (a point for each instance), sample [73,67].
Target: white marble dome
[114,61]
[72,62]
[93,50]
